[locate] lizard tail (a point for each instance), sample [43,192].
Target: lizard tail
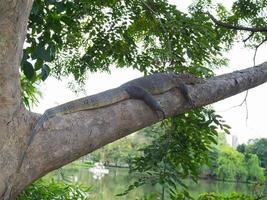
[35,130]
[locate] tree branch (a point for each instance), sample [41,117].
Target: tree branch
[66,138]
[246,39]
[236,27]
[13,22]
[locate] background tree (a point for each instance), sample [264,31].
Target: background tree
[72,37]
[231,165]
[255,172]
[257,147]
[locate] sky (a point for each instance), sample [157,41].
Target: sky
[246,124]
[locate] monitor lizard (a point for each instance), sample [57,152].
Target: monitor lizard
[141,88]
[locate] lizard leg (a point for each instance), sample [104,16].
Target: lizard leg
[136,92]
[181,81]
[184,91]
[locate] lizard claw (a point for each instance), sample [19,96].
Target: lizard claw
[162,115]
[192,103]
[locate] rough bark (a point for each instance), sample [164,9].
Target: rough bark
[13,116]
[65,138]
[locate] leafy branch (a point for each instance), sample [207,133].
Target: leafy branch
[236,27]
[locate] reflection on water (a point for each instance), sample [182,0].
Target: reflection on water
[118,179]
[98,171]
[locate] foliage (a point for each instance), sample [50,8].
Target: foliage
[255,172]
[93,35]
[30,93]
[231,165]
[72,37]
[45,190]
[258,147]
[178,153]
[243,13]
[151,196]
[206,196]
[81,163]
[232,196]
[121,152]
[225,162]
[221,140]
[241,148]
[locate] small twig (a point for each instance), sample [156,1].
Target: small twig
[256,49]
[244,100]
[236,27]
[250,35]
[246,106]
[254,64]
[239,105]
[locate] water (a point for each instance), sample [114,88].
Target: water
[118,179]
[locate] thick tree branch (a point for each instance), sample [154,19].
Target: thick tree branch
[236,27]
[65,138]
[13,22]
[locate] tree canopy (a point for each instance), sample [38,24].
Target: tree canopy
[73,37]
[258,147]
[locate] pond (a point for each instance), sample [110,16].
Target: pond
[117,180]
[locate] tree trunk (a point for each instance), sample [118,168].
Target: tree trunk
[14,119]
[65,138]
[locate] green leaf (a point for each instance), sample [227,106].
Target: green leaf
[45,72]
[41,53]
[38,64]
[25,57]
[28,70]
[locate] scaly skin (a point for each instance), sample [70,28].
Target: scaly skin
[140,88]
